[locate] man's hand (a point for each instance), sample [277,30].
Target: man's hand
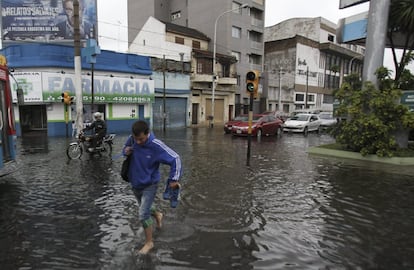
[128,150]
[174,184]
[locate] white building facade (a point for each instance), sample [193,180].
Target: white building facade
[304,64]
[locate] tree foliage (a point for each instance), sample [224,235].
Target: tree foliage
[370,116]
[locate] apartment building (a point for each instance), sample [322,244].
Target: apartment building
[235,28]
[304,64]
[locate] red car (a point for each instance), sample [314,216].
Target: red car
[282,115]
[261,125]
[228,125]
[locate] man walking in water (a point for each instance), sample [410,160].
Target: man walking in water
[148,153]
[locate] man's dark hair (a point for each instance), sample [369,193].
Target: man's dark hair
[140,127]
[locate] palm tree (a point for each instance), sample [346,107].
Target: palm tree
[401,26]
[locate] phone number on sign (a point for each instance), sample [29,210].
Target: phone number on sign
[118,99]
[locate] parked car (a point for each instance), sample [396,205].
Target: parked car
[261,125]
[302,123]
[327,120]
[228,125]
[282,115]
[306,111]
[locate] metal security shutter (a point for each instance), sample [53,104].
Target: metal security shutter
[176,109]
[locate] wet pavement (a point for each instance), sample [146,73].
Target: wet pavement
[287,210]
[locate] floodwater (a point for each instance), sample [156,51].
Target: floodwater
[287,210]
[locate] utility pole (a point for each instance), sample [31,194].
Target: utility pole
[307,87]
[78,69]
[376,39]
[214,77]
[249,131]
[279,106]
[164,113]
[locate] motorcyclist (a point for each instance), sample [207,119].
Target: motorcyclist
[99,127]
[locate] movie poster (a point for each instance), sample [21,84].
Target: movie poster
[46,20]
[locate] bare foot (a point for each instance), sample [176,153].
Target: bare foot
[146,248]
[158,218]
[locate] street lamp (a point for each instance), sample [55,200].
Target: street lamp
[213,86]
[351,61]
[19,90]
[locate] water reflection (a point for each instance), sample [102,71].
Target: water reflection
[287,210]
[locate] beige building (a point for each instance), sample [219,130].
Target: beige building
[179,55]
[238,27]
[201,76]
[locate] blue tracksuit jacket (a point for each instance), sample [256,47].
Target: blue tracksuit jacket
[146,160]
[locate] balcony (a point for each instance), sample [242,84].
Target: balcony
[207,78]
[201,78]
[227,80]
[256,45]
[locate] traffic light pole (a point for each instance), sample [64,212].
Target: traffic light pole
[66,119]
[252,87]
[249,131]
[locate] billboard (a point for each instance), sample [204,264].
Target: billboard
[353,29]
[350,3]
[46,20]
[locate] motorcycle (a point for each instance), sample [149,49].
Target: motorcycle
[83,143]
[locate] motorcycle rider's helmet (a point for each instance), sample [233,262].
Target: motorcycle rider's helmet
[97,116]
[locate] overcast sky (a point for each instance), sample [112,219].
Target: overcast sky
[113,19]
[280,10]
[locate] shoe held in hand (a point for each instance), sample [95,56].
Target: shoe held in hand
[175,195]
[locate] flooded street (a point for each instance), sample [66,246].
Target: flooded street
[288,210]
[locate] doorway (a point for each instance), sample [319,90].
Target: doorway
[33,119]
[194,116]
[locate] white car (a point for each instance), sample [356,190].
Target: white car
[302,123]
[327,119]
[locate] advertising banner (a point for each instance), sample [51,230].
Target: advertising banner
[46,20]
[47,87]
[30,83]
[350,3]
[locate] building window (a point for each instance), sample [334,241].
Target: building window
[204,66]
[329,99]
[179,40]
[237,55]
[354,48]
[299,97]
[175,15]
[196,44]
[236,32]
[331,38]
[199,68]
[255,59]
[311,98]
[187,67]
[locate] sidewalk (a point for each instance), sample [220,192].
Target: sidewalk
[406,161]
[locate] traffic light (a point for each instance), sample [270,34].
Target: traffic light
[66,98]
[252,82]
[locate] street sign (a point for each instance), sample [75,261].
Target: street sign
[407,98]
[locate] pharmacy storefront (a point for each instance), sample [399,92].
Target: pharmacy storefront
[121,98]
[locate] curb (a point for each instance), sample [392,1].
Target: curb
[405,161]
